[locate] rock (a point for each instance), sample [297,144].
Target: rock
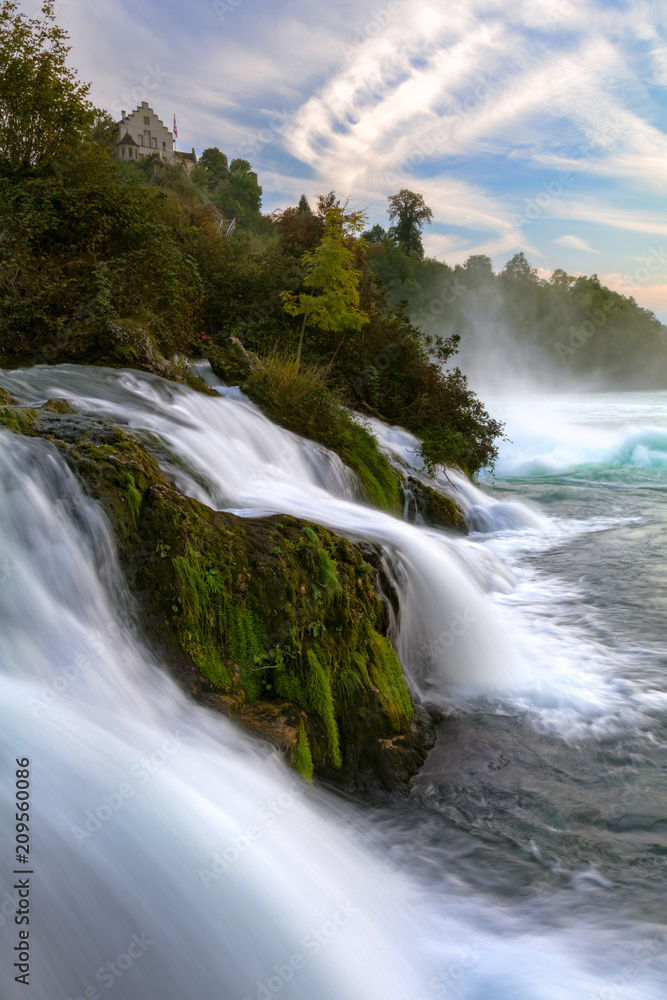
[58,406]
[435,508]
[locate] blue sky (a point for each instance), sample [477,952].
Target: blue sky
[537,125]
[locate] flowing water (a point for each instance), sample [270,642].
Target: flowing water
[529,862]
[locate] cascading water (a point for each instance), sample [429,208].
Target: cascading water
[165,836]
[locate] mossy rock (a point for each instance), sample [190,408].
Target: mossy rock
[230,361]
[18,420]
[276,621]
[437,509]
[57,405]
[5,398]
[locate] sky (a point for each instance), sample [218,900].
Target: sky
[534,125]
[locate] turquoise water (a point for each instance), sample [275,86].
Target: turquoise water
[556,793]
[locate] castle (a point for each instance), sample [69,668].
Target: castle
[142,134]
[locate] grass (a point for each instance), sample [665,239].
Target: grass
[301,399]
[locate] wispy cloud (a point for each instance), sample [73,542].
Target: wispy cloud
[576,242]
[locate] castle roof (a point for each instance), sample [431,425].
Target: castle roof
[127,140]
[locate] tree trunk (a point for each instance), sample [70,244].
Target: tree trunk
[303,330]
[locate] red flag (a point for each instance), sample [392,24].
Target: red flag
[175,128]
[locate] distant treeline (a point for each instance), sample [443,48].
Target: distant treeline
[554,329]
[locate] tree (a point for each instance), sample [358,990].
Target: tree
[330,273]
[479,269]
[215,164]
[44,109]
[518,267]
[232,187]
[561,279]
[411,212]
[303,205]
[375,235]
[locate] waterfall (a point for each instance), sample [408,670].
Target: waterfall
[172,855]
[153,819]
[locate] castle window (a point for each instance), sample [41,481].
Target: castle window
[147,120]
[147,138]
[122,150]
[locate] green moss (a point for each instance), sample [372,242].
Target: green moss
[132,495]
[57,405]
[302,759]
[18,421]
[5,398]
[387,676]
[245,638]
[358,449]
[320,700]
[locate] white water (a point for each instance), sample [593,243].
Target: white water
[556,434]
[87,727]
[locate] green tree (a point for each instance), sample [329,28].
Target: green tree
[376,235]
[518,267]
[303,205]
[44,109]
[214,163]
[411,214]
[479,267]
[331,274]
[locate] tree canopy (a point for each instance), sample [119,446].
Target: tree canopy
[44,108]
[232,187]
[411,213]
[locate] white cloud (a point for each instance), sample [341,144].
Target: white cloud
[576,242]
[605,214]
